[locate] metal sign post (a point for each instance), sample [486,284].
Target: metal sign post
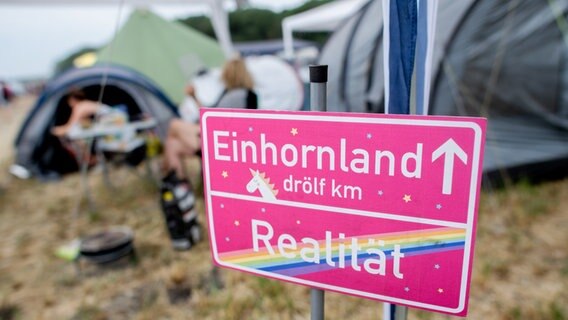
[318,102]
[394,312]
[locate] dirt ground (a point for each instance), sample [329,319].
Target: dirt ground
[520,267]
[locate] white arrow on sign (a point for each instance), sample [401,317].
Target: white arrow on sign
[449,149]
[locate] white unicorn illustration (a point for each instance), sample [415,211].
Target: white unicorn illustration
[260,182]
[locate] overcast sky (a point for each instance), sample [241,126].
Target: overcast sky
[34,38]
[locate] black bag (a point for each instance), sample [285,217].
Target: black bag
[178,205]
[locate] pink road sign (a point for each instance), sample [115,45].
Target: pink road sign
[378,206]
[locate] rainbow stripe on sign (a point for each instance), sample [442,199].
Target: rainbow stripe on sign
[411,243]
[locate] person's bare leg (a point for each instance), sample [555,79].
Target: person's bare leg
[186,133]
[173,153]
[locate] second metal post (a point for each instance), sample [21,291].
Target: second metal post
[318,102]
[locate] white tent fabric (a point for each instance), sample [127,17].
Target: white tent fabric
[323,18]
[276,83]
[506,63]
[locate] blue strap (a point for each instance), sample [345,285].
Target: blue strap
[421,48]
[403,24]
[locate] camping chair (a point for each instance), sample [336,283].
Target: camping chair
[111,139]
[124,146]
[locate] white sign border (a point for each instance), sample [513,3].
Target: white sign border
[354,119]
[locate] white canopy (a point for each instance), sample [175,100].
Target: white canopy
[323,18]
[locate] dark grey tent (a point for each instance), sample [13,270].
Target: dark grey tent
[504,60]
[41,153]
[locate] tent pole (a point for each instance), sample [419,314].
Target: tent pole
[288,39]
[220,21]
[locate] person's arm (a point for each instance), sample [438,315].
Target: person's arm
[82,111]
[190,91]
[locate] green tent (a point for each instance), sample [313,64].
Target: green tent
[167,52]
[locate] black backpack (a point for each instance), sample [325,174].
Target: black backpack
[178,206]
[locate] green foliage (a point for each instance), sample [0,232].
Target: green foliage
[552,311]
[514,314]
[564,270]
[200,23]
[85,312]
[254,24]
[258,24]
[269,288]
[555,312]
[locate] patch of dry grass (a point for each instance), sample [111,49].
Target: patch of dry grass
[520,268]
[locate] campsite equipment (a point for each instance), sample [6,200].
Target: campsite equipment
[178,206]
[501,60]
[43,154]
[107,245]
[69,251]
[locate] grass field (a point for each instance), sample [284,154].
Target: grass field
[520,267]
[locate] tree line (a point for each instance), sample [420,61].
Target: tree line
[248,24]
[252,24]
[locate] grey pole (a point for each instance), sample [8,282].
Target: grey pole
[394,312]
[317,304]
[318,102]
[318,88]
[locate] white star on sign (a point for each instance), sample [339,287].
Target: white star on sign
[438,206]
[369,136]
[263,210]
[222,206]
[406,289]
[380,193]
[250,129]
[437,266]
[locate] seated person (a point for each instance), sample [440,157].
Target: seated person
[82,112]
[183,138]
